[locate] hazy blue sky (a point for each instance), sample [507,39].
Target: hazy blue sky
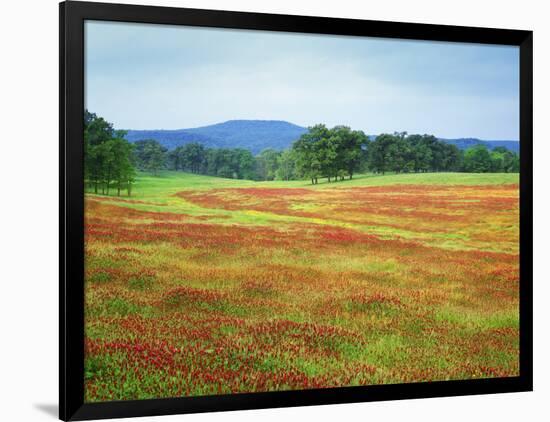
[169,77]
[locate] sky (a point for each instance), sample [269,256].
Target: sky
[144,76]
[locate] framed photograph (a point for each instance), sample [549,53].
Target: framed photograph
[265,210]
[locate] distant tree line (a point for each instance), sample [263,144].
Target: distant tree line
[235,163]
[402,153]
[479,159]
[321,152]
[333,154]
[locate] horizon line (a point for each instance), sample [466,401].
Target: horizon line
[306,127]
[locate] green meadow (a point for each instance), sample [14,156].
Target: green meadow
[198,285]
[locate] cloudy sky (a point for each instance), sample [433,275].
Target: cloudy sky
[142,76]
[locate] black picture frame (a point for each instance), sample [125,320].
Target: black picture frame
[72,15]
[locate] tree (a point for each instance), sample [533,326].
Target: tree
[511,163]
[150,155]
[453,158]
[96,129]
[124,171]
[477,159]
[381,152]
[326,153]
[286,163]
[421,153]
[436,147]
[307,152]
[400,153]
[175,159]
[192,157]
[506,160]
[212,161]
[93,164]
[107,156]
[267,164]
[349,148]
[430,154]
[497,162]
[225,171]
[244,164]
[155,161]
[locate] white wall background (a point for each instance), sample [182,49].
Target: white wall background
[29,210]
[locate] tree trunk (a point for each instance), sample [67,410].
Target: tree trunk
[108,179]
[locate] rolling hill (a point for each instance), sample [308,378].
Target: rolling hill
[254,135]
[257,135]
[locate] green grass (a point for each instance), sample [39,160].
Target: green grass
[477,321]
[170,182]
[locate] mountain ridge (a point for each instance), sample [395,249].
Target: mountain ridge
[257,135]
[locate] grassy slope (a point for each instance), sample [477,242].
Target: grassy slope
[153,186]
[158,191]
[158,194]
